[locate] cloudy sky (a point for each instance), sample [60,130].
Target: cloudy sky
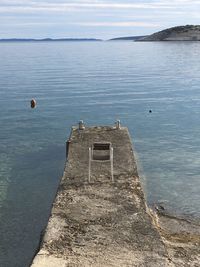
[93,18]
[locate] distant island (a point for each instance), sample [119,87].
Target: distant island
[179,33]
[51,40]
[129,38]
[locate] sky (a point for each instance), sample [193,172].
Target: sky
[93,18]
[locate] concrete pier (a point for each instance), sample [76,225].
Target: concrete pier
[100,221]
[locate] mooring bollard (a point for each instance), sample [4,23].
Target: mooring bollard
[81,125]
[118,125]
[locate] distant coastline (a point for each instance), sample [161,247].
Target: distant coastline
[51,40]
[128,38]
[178,33]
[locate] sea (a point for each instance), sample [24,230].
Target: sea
[153,88]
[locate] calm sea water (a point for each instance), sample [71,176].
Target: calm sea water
[99,83]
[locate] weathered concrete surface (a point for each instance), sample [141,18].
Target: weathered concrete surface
[181,237]
[101,223]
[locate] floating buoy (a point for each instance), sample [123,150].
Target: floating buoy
[33,103]
[150,111]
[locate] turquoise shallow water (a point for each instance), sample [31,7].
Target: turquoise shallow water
[99,83]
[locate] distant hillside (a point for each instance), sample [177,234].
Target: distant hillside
[179,33]
[51,40]
[129,38]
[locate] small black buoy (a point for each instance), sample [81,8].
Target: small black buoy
[33,103]
[150,111]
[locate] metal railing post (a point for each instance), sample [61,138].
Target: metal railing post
[89,165]
[111,163]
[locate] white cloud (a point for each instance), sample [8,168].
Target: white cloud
[84,5]
[115,24]
[29,5]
